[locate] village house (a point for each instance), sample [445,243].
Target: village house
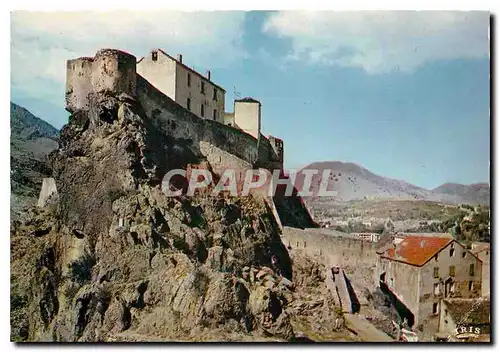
[482,251]
[419,271]
[372,237]
[367,223]
[463,319]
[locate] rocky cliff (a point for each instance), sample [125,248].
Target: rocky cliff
[114,259]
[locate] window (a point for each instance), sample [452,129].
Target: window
[434,308]
[188,104]
[215,114]
[464,253]
[202,110]
[215,94]
[471,270]
[154,55]
[436,272]
[471,286]
[436,289]
[449,287]
[452,270]
[436,257]
[189,80]
[202,87]
[452,252]
[382,277]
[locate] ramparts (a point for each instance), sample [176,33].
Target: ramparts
[223,146]
[109,71]
[333,249]
[114,71]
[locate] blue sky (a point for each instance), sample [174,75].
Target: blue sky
[406,95]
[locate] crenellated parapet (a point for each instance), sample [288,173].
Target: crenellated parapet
[277,145]
[114,71]
[109,70]
[78,83]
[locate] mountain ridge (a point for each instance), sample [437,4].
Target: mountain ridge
[352,181]
[31,140]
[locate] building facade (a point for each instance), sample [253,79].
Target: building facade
[482,251]
[229,119]
[247,115]
[201,96]
[372,237]
[187,87]
[422,270]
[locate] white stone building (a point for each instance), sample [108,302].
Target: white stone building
[246,116]
[184,85]
[198,93]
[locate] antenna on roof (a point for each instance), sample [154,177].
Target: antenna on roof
[236,94]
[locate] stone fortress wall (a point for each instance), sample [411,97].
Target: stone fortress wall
[223,146]
[109,70]
[331,249]
[357,257]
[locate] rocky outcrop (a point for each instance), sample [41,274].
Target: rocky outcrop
[116,257]
[112,258]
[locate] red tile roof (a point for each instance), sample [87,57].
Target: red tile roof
[415,250]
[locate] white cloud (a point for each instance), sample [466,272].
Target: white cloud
[381,41]
[41,42]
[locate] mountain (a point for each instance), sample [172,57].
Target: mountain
[31,140]
[354,182]
[475,193]
[29,127]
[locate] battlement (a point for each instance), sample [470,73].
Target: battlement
[277,145]
[109,70]
[115,71]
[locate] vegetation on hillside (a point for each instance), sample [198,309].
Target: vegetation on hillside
[475,227]
[31,140]
[396,210]
[468,225]
[466,222]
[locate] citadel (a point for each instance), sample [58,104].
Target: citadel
[184,104]
[427,276]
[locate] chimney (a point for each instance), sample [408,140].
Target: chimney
[179,58]
[208,74]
